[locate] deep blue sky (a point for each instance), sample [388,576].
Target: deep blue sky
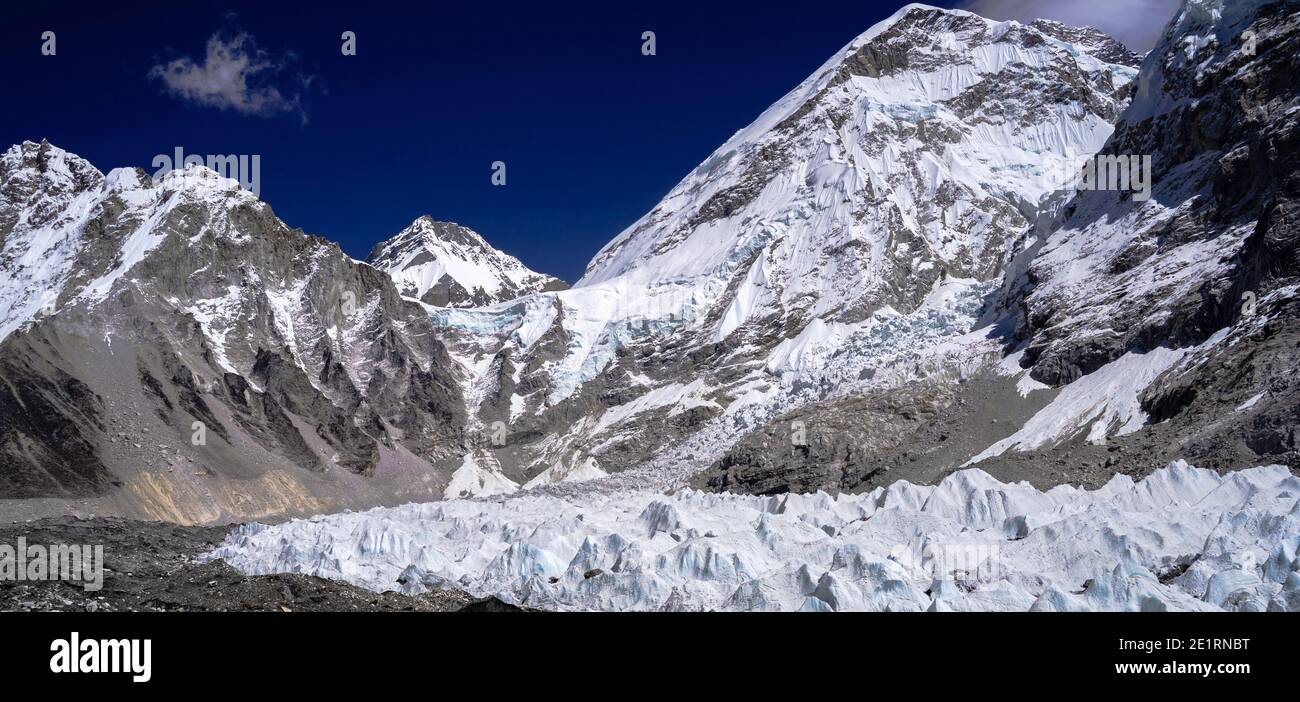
[592,132]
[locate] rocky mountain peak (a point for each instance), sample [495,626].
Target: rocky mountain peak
[46,159]
[447,265]
[33,171]
[426,231]
[1091,40]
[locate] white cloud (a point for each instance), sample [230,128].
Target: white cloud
[234,75]
[1135,23]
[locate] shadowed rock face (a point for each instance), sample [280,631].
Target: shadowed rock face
[195,359]
[1094,41]
[1215,251]
[1222,131]
[49,422]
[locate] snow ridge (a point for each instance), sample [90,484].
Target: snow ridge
[448,265]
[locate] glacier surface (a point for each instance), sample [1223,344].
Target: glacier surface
[1181,539]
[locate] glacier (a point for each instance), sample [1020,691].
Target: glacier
[1182,539]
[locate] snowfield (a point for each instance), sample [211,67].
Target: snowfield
[1181,539]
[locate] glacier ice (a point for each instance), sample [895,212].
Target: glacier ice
[1181,539]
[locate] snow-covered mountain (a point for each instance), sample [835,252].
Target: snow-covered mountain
[885,277]
[172,350]
[1194,288]
[913,154]
[447,265]
[1130,335]
[1218,120]
[857,223]
[1145,329]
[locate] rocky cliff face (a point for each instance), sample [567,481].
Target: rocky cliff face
[1211,263]
[172,350]
[1215,116]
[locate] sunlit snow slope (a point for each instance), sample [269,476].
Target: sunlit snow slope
[906,171]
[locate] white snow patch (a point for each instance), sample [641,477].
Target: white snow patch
[1105,401]
[1027,384]
[478,476]
[574,472]
[1250,403]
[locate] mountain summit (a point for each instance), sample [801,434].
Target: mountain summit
[447,265]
